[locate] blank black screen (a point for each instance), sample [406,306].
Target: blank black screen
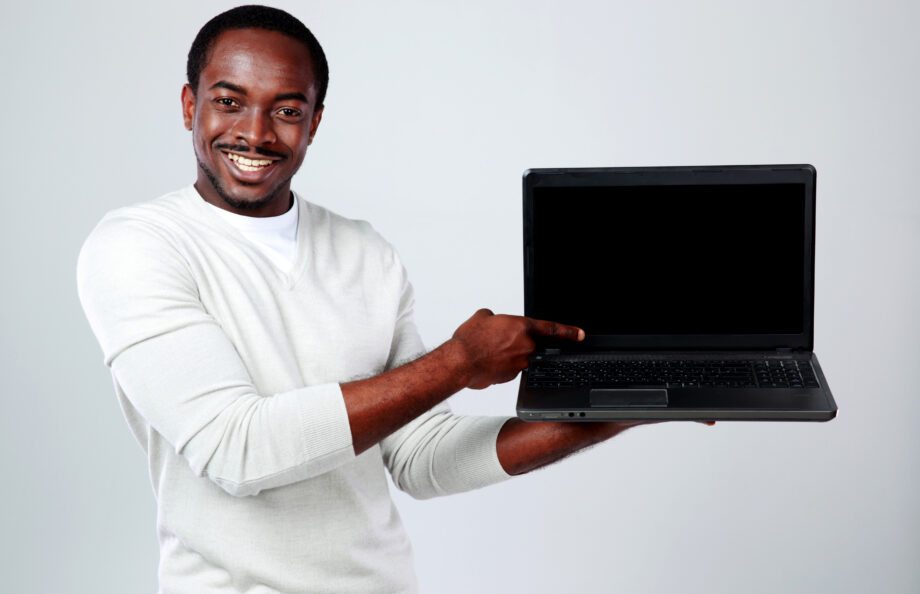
[683,259]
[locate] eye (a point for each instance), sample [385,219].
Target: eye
[289,113]
[226,102]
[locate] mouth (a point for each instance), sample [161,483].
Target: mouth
[249,165]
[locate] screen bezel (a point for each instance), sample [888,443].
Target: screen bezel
[697,175]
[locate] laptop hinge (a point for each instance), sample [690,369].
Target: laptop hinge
[784,350]
[552,352]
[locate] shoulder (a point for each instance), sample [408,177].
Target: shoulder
[135,240]
[319,218]
[345,235]
[165,229]
[146,220]
[133,276]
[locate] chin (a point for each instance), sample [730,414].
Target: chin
[245,197]
[247,202]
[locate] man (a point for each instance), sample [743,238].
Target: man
[236,317]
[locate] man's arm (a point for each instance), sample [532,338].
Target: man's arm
[523,446]
[183,375]
[487,349]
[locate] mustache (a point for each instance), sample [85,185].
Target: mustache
[242,148]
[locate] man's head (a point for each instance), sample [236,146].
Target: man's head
[256,17]
[257,79]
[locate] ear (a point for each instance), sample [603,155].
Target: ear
[314,122]
[188,106]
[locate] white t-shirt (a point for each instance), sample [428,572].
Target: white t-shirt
[276,237]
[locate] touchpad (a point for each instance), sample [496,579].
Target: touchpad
[614,398]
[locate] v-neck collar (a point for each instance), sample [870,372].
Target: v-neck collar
[288,279]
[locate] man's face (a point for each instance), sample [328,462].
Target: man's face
[252,118]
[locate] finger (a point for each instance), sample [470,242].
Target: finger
[483,313]
[507,377]
[547,328]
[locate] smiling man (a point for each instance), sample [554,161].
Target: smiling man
[264,352]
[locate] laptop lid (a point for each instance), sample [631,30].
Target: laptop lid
[672,258]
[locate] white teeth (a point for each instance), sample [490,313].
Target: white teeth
[248,164]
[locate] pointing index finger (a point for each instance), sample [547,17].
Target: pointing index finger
[547,328]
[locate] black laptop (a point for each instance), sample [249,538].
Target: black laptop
[695,288]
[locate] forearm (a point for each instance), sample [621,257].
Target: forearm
[380,405]
[523,446]
[485,350]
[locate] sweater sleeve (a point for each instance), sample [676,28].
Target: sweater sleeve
[442,453]
[181,372]
[437,453]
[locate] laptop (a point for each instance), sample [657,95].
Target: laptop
[694,286]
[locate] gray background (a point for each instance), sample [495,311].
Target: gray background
[434,110]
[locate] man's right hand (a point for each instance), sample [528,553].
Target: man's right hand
[487,349]
[497,347]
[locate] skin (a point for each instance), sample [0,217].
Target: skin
[256,98]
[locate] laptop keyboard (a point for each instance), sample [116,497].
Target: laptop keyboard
[670,373]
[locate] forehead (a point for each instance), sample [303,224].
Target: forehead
[256,59]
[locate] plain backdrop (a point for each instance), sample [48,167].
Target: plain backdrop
[434,110]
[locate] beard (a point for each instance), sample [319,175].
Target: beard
[230,200]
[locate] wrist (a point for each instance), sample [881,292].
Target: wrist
[458,359]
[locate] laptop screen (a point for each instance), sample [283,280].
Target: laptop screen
[673,260]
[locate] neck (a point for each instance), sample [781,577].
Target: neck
[277,203]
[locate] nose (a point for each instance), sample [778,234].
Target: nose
[256,128]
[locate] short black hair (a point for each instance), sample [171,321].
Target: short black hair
[256,17]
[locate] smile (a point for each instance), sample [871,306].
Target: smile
[246,164]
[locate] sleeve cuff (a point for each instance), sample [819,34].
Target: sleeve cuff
[475,460]
[324,426]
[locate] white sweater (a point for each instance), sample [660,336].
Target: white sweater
[228,373]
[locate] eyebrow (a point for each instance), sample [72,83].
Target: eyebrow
[295,95]
[238,89]
[229,86]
